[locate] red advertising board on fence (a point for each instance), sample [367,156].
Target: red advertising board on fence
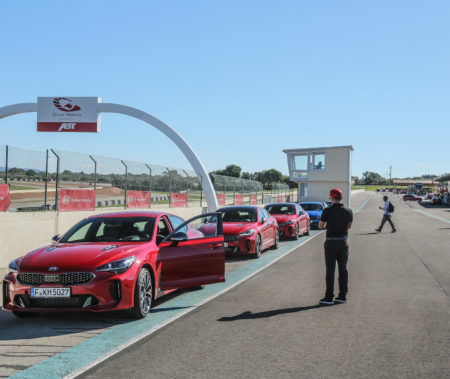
[221,198]
[76,200]
[178,200]
[5,199]
[280,198]
[238,199]
[253,200]
[138,199]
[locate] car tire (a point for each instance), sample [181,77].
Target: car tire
[277,240]
[258,247]
[22,314]
[297,231]
[143,294]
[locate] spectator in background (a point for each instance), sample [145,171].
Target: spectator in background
[386,216]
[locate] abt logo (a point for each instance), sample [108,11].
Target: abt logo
[67,126]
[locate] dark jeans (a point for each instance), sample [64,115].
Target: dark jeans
[336,251]
[383,221]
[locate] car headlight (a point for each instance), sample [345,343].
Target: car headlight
[117,267]
[247,233]
[14,265]
[290,222]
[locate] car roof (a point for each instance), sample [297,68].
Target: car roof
[238,207]
[280,204]
[131,214]
[311,202]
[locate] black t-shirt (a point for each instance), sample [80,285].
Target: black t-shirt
[337,218]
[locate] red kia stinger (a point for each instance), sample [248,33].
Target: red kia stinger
[292,220]
[122,260]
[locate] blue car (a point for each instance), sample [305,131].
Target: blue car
[314,209]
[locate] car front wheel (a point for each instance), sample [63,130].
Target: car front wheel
[258,247]
[276,240]
[143,294]
[297,232]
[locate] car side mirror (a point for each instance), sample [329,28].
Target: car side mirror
[56,238]
[263,220]
[179,236]
[205,220]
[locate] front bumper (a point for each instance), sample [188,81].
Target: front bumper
[105,292]
[286,230]
[240,245]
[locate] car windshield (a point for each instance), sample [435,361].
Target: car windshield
[238,215]
[111,229]
[281,209]
[312,207]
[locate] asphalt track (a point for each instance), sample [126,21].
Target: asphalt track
[396,323]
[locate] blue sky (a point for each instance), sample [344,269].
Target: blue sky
[239,80]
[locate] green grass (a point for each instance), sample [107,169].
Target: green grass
[21,188]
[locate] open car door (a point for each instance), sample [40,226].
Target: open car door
[193,254]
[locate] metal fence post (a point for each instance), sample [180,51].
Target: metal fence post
[187,187]
[6,165]
[46,181]
[150,183]
[95,172]
[125,186]
[57,181]
[170,187]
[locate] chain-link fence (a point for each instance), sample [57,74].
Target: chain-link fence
[36,180]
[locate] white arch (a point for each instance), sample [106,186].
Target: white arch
[181,143]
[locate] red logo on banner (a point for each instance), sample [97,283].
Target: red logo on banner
[253,200]
[280,198]
[138,199]
[76,200]
[221,198]
[178,200]
[238,199]
[5,199]
[65,105]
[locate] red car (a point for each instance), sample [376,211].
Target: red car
[292,220]
[116,261]
[248,229]
[412,197]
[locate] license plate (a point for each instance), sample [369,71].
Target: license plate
[50,292]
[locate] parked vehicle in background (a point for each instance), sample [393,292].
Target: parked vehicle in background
[292,220]
[436,200]
[314,210]
[412,197]
[116,261]
[248,229]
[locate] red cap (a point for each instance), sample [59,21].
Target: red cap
[336,193]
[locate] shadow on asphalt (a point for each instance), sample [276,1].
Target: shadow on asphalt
[365,234]
[249,315]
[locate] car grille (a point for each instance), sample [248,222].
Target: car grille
[230,237]
[75,301]
[66,279]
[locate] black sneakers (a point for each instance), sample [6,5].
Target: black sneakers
[327,301]
[378,230]
[340,299]
[394,230]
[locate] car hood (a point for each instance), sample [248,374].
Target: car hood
[237,227]
[76,256]
[284,218]
[314,214]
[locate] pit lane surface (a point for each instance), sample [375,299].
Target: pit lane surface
[395,325]
[27,342]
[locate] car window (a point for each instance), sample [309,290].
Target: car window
[111,229]
[176,222]
[260,216]
[238,215]
[312,207]
[281,209]
[266,214]
[203,226]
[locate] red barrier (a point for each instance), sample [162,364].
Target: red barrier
[221,198]
[5,199]
[253,200]
[138,199]
[76,200]
[178,200]
[280,198]
[238,199]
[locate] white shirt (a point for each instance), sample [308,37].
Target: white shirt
[386,207]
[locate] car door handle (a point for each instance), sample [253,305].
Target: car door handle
[215,246]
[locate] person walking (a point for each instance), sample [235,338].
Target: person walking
[337,220]
[386,215]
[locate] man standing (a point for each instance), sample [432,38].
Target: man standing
[337,220]
[386,216]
